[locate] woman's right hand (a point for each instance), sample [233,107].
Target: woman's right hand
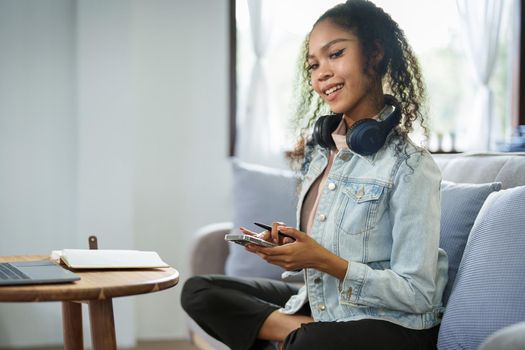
[276,237]
[270,236]
[262,235]
[304,252]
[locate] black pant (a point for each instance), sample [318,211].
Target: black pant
[233,310]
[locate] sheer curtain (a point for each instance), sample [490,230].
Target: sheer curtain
[480,24]
[257,140]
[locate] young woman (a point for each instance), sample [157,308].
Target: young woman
[369,210]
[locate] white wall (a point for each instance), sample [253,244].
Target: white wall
[113,121]
[38,148]
[106,136]
[182,172]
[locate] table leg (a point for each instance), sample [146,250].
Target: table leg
[72,325]
[102,324]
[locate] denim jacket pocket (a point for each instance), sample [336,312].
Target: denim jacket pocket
[359,205]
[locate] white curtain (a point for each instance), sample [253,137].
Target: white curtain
[480,23]
[257,139]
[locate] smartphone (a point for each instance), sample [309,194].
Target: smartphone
[243,239]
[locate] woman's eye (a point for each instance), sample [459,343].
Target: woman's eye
[336,54]
[312,66]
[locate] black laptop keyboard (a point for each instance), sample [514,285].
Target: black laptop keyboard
[9,272]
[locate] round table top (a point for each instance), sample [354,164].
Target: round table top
[93,284]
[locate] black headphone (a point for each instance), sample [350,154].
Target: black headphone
[365,137]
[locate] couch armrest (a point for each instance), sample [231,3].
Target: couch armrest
[507,338]
[209,249]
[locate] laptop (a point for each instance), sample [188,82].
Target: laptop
[34,272]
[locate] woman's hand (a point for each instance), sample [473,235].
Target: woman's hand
[304,252]
[273,235]
[265,235]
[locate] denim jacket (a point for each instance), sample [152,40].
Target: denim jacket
[381,213]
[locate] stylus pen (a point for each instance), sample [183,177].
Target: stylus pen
[269,228]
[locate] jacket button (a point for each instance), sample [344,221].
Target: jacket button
[331,186]
[322,307]
[322,217]
[317,280]
[345,157]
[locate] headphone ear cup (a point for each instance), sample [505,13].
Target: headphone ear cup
[365,137]
[323,129]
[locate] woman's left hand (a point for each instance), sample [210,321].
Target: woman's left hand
[304,252]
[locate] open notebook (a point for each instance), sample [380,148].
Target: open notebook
[109,259]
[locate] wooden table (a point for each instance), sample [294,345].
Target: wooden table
[97,288]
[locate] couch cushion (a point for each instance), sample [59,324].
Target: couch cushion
[488,293]
[460,204]
[508,338]
[507,168]
[260,194]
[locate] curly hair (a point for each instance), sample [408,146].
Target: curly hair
[399,71]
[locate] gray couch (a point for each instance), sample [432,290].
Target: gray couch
[483,231]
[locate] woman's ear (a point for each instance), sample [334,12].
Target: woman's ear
[377,64]
[378,54]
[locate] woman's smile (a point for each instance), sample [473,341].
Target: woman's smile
[332,92]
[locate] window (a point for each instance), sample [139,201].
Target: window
[432,28]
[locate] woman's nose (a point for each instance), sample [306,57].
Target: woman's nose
[324,73]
